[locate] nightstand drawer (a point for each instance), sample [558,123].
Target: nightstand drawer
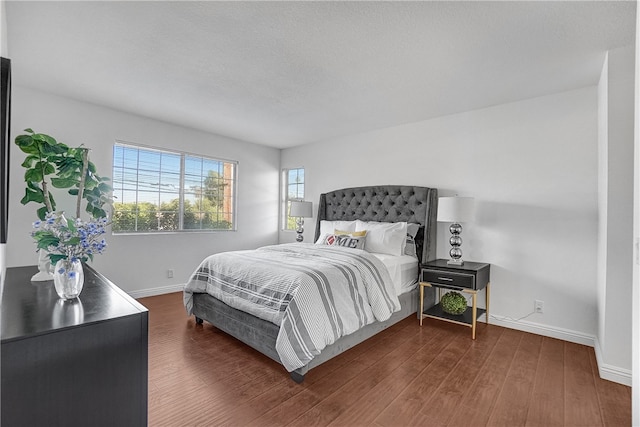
[449,279]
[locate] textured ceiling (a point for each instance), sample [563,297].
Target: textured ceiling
[291,73]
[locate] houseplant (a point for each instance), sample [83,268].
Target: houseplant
[61,241]
[453,303]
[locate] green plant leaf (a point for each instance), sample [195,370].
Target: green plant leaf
[24,141]
[90,184]
[28,161]
[33,175]
[105,188]
[45,239]
[71,224]
[42,213]
[48,150]
[96,212]
[49,169]
[54,258]
[32,196]
[63,182]
[45,138]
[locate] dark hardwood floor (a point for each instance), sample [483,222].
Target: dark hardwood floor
[433,375]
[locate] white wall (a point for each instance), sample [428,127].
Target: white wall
[138,263]
[4,43]
[615,204]
[532,167]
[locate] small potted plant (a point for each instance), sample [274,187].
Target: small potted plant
[453,303]
[64,242]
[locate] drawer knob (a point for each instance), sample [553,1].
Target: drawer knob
[446,279]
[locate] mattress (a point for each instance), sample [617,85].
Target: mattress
[403,271]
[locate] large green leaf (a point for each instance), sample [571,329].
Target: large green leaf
[105,188]
[48,150]
[46,239]
[49,169]
[96,212]
[54,258]
[28,161]
[44,138]
[42,213]
[71,224]
[32,196]
[63,183]
[35,186]
[90,184]
[33,175]
[27,144]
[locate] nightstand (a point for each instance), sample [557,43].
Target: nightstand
[469,278]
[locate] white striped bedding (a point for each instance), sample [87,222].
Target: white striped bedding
[316,293]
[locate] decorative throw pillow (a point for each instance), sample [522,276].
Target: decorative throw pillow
[344,240]
[351,233]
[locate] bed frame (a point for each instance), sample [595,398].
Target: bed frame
[388,203]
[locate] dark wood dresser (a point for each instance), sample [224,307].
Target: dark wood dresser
[80,363]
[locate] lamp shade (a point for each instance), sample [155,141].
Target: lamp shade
[301,209]
[455,209]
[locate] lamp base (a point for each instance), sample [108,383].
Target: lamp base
[455,262]
[300,229]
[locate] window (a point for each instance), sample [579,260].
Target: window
[158,191]
[293,190]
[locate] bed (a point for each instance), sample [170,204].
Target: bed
[371,205]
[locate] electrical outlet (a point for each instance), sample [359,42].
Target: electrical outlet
[538,306]
[169,274]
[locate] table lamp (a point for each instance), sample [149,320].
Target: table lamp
[455,210]
[300,210]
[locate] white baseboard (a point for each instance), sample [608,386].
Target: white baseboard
[151,292]
[607,372]
[544,330]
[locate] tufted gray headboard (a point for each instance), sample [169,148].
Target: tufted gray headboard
[386,203]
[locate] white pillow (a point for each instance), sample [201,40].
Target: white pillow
[384,237]
[328,227]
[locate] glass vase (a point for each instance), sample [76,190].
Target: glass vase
[68,278]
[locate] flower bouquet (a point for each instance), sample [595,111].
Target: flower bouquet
[68,243]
